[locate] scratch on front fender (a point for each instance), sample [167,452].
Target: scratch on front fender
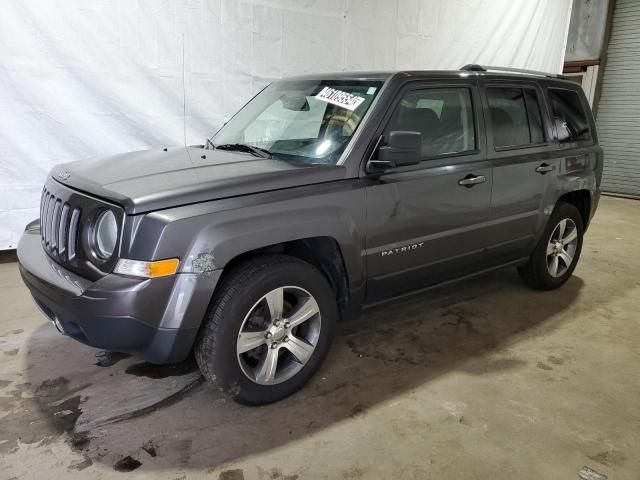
[203,262]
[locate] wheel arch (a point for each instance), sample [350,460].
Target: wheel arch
[581,199]
[323,252]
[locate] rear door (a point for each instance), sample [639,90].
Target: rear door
[428,222]
[522,150]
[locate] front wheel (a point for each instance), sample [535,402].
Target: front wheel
[556,255]
[267,330]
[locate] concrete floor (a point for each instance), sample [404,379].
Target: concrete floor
[485,379]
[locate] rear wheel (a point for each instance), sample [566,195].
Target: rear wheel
[558,250]
[267,330]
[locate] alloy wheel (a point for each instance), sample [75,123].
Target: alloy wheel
[561,247]
[278,335]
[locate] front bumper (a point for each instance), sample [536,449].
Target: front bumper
[157,319]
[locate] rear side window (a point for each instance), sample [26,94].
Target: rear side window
[535,116]
[444,117]
[515,116]
[569,115]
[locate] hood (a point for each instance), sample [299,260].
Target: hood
[155,179]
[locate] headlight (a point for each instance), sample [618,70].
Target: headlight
[105,235]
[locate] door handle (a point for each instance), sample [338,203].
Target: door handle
[544,168]
[471,180]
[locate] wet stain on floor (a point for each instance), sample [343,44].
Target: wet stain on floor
[79,441]
[544,366]
[609,458]
[58,400]
[109,359]
[236,474]
[555,360]
[358,409]
[79,466]
[275,474]
[459,319]
[150,370]
[127,464]
[25,422]
[150,448]
[389,343]
[489,365]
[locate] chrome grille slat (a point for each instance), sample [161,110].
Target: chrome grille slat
[55,224]
[42,199]
[45,197]
[45,210]
[42,204]
[64,228]
[47,220]
[73,233]
[52,203]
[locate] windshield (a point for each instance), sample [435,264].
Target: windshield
[309,121]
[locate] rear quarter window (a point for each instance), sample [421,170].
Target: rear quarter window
[570,117]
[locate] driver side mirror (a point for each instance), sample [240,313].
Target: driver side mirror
[402,149]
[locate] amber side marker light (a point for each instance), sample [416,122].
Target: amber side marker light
[139,268]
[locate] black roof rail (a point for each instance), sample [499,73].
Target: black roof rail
[474,67]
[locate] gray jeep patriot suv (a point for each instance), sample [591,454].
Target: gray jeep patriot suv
[321,196]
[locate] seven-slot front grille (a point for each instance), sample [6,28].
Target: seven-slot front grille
[59,226]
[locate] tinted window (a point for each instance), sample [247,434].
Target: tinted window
[570,115]
[443,116]
[535,116]
[515,116]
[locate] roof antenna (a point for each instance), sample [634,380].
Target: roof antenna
[184,100]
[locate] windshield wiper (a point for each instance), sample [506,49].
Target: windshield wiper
[209,145]
[241,147]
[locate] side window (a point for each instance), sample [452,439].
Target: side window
[569,115]
[535,116]
[515,116]
[444,117]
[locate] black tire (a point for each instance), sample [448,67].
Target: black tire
[536,273]
[246,284]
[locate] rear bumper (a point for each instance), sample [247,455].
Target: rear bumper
[157,319]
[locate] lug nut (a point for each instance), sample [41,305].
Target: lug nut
[287,325]
[286,339]
[274,345]
[276,323]
[268,335]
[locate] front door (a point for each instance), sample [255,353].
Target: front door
[429,222]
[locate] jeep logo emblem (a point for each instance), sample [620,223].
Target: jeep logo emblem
[63,175]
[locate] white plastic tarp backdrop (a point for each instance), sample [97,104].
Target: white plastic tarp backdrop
[87,78]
